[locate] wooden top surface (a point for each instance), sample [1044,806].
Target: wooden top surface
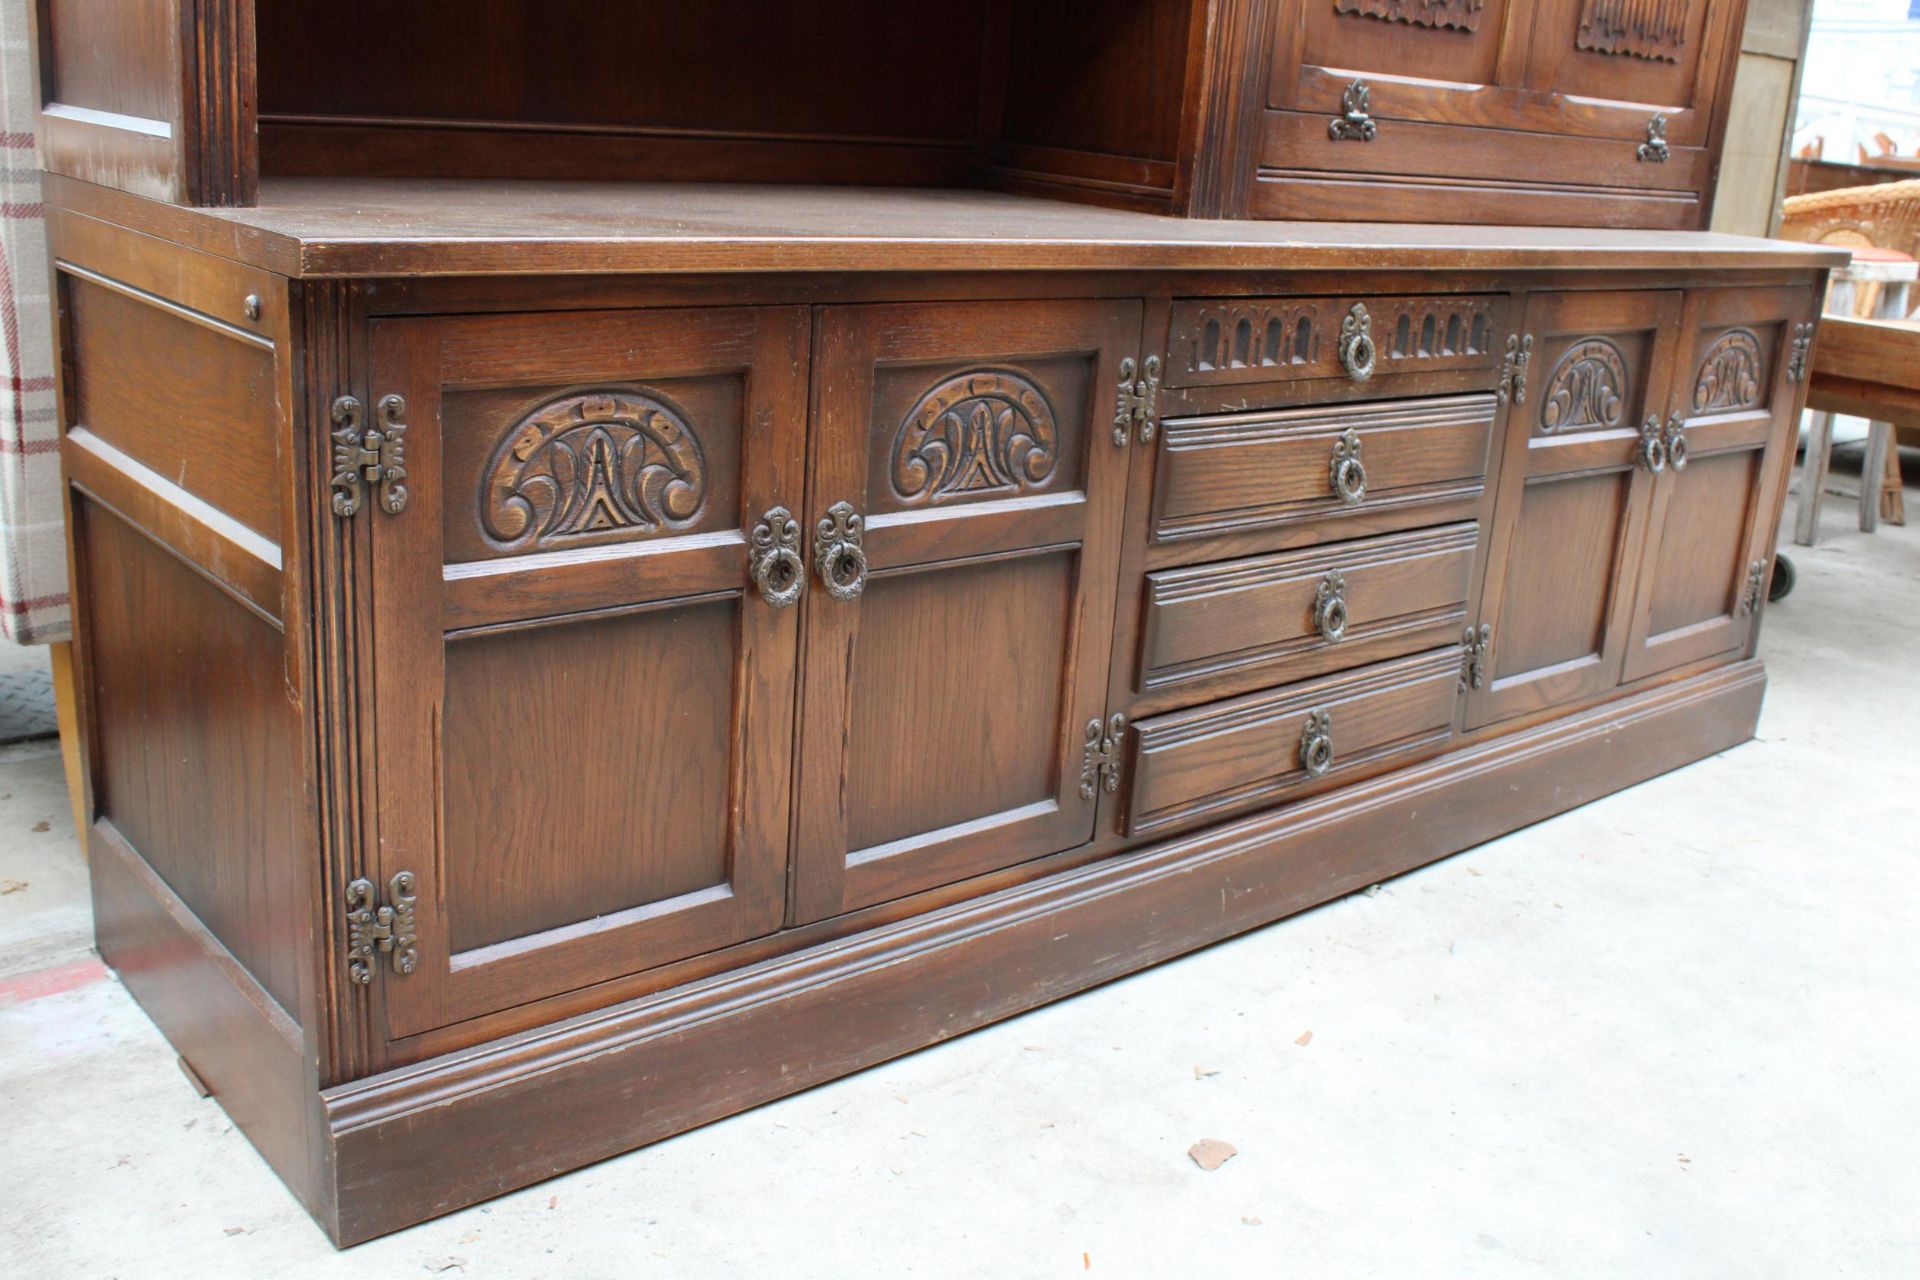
[373,227]
[1867,367]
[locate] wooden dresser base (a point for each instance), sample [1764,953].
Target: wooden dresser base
[425,1139]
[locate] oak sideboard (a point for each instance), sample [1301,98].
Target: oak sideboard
[588,626]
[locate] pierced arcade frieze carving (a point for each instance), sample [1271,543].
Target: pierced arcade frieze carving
[1459,15]
[1652,29]
[1730,374]
[589,464]
[1253,335]
[1430,329]
[979,432]
[1587,389]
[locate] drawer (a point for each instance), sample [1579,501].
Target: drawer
[1232,472]
[1414,150]
[1249,752]
[1226,341]
[1321,609]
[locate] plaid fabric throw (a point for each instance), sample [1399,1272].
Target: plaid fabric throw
[33,548]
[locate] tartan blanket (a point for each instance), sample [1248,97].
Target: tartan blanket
[33,549]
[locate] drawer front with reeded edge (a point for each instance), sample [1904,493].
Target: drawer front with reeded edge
[1249,752]
[1228,341]
[1239,623]
[1233,472]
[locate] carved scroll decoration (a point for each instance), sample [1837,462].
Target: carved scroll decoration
[1652,29]
[1730,374]
[1459,15]
[983,431]
[1586,390]
[591,464]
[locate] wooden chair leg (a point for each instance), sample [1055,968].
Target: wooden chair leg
[67,709]
[1893,498]
[1813,477]
[1879,437]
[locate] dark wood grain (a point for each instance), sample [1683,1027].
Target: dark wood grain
[1736,407]
[681,844]
[1237,623]
[979,439]
[714,1048]
[1554,97]
[624,874]
[1244,753]
[191,760]
[370,227]
[1267,469]
[147,380]
[1573,498]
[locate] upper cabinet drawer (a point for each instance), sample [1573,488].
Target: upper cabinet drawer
[1226,341]
[1252,470]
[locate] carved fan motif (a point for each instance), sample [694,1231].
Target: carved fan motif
[983,431]
[1588,388]
[1729,373]
[591,464]
[1461,15]
[1651,29]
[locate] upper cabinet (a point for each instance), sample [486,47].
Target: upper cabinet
[1582,112]
[1546,112]
[155,97]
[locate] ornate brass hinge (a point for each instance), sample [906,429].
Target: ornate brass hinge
[369,456]
[1655,150]
[373,926]
[1137,409]
[1756,588]
[1801,348]
[1354,124]
[1476,648]
[1513,369]
[1100,760]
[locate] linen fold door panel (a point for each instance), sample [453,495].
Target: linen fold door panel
[969,478]
[582,687]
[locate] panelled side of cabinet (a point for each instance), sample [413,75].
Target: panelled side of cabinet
[187,528]
[155,97]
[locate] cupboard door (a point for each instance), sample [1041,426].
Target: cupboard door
[1610,64]
[583,702]
[945,707]
[1575,487]
[1729,435]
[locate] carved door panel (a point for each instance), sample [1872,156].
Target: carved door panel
[1610,64]
[1430,60]
[1597,68]
[584,699]
[1575,487]
[970,448]
[1729,436]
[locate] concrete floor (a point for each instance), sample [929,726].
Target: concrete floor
[1675,1033]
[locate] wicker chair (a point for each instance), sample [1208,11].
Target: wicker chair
[1886,216]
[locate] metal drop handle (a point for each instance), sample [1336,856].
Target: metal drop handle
[1316,743]
[1330,607]
[1346,474]
[1357,351]
[837,555]
[1676,443]
[774,562]
[1652,453]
